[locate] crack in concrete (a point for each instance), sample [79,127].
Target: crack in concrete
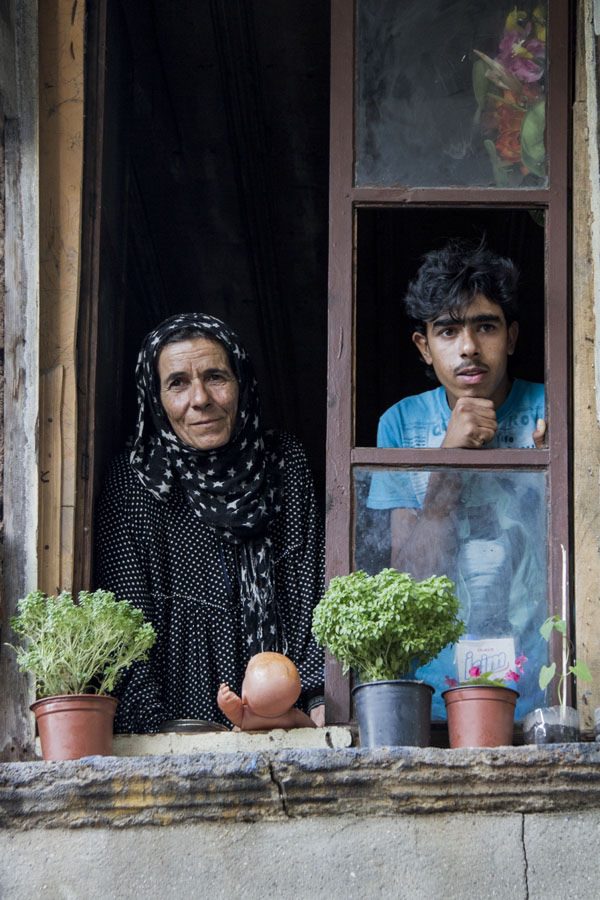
[276,781]
[525,862]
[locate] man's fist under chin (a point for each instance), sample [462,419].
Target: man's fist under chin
[472,424]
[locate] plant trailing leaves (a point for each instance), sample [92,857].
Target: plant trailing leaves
[387,625]
[579,669]
[76,648]
[547,673]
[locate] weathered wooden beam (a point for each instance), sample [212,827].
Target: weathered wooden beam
[61,172]
[586,356]
[21,271]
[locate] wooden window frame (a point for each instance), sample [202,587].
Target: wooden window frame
[345,201]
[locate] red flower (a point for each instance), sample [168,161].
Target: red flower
[474,672]
[508,118]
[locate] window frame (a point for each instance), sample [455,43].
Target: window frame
[345,202]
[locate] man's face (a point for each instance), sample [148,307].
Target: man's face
[199,392]
[469,355]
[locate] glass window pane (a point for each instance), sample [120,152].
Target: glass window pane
[450,92]
[484,530]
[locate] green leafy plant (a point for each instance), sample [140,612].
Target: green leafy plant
[547,673]
[387,625]
[76,648]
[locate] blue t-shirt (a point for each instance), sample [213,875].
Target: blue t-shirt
[499,566]
[422,421]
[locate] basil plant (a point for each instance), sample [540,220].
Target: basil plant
[387,625]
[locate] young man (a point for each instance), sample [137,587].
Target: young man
[485,530]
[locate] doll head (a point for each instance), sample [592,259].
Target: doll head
[271,684]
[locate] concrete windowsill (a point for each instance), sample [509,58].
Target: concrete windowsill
[332,737]
[269,785]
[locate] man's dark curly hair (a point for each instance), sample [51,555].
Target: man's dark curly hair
[450,278]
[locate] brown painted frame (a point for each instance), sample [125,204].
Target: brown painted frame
[345,199]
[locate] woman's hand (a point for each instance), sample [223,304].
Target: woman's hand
[317,714]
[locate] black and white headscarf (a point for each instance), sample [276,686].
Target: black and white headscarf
[235,489]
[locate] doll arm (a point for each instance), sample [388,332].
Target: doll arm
[230,704]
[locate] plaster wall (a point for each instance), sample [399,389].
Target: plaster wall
[451,856]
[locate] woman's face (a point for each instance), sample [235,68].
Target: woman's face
[199,392]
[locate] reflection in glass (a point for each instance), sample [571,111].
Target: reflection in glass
[451,92]
[487,532]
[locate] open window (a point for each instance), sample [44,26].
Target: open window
[206,190]
[425,146]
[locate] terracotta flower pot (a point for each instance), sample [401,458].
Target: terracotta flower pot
[75,725]
[480,715]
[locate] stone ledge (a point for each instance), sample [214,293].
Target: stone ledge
[267,786]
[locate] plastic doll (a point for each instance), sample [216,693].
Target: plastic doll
[270,688]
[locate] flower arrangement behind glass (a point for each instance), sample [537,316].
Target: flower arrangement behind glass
[511,99]
[476,676]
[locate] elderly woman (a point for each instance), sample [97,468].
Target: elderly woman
[210,526]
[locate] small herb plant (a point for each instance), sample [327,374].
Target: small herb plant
[76,648]
[547,673]
[387,625]
[476,676]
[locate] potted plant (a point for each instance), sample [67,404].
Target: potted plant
[559,723]
[385,626]
[77,652]
[481,710]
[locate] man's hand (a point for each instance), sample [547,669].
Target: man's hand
[472,424]
[539,435]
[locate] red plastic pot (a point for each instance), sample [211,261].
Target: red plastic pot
[480,715]
[75,725]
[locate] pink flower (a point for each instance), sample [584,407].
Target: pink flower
[451,682]
[521,55]
[513,676]
[474,672]
[519,662]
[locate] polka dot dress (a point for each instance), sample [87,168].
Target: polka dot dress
[163,558]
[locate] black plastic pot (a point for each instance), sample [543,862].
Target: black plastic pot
[393,713]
